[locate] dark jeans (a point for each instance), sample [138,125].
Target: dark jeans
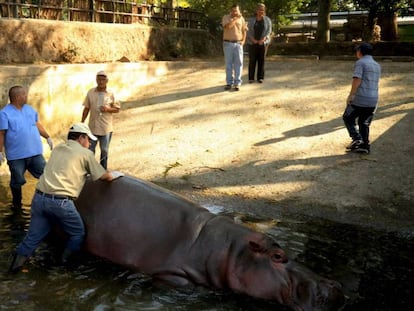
[34,165]
[256,56]
[104,141]
[364,116]
[44,212]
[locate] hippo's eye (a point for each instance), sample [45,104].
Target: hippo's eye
[277,258]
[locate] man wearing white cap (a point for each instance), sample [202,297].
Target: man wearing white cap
[60,184]
[100,104]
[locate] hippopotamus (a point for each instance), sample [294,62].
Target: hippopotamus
[139,225]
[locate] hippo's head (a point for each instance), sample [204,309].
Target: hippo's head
[262,270]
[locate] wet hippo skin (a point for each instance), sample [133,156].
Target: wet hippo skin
[146,228]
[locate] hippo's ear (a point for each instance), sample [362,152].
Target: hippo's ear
[256,247]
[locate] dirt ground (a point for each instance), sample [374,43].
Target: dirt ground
[275,149]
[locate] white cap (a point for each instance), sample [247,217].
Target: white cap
[82,128]
[101,73]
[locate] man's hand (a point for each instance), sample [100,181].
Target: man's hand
[116,174]
[50,143]
[2,159]
[350,99]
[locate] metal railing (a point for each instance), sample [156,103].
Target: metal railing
[102,11]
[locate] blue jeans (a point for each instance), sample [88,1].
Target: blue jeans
[34,165]
[104,141]
[233,57]
[46,211]
[364,116]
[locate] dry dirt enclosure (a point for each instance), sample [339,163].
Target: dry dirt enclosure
[276,148]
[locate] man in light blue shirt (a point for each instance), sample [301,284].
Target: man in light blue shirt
[20,132]
[363,98]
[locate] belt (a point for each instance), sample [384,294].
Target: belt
[232,41]
[55,196]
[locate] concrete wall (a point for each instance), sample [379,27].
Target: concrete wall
[57,91]
[37,41]
[57,61]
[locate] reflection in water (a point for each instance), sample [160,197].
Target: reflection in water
[375,268]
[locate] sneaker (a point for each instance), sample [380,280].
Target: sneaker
[354,144]
[237,87]
[227,87]
[363,148]
[260,80]
[251,81]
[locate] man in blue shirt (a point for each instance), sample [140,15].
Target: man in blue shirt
[20,132]
[363,98]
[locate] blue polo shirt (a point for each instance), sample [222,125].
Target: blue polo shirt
[369,71]
[22,137]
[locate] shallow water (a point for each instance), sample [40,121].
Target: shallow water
[375,268]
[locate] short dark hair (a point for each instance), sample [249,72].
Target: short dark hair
[75,135]
[364,48]
[14,91]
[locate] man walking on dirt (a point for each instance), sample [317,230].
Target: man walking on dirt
[363,98]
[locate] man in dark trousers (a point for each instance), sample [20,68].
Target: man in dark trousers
[363,98]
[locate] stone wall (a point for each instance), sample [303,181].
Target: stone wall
[57,91]
[44,41]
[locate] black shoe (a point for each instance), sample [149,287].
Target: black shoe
[363,148]
[66,257]
[237,87]
[260,80]
[17,263]
[251,81]
[355,144]
[227,87]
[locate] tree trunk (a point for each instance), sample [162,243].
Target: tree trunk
[322,32]
[389,27]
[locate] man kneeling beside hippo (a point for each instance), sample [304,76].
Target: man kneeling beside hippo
[60,184]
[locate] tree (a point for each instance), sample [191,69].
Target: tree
[322,32]
[384,13]
[277,10]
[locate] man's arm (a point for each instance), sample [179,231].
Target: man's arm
[84,114]
[2,133]
[356,82]
[42,130]
[228,21]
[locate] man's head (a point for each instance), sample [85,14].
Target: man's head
[364,48]
[260,9]
[101,80]
[235,11]
[81,133]
[17,94]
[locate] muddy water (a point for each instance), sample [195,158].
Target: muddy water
[375,268]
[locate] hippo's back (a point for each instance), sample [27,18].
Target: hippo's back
[136,223]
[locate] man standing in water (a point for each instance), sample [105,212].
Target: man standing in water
[20,132]
[61,183]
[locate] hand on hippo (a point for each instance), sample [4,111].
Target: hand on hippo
[117,174]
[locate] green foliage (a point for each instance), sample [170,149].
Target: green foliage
[387,6]
[277,10]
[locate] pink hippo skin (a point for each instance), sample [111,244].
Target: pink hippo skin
[146,228]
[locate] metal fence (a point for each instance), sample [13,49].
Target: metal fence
[102,11]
